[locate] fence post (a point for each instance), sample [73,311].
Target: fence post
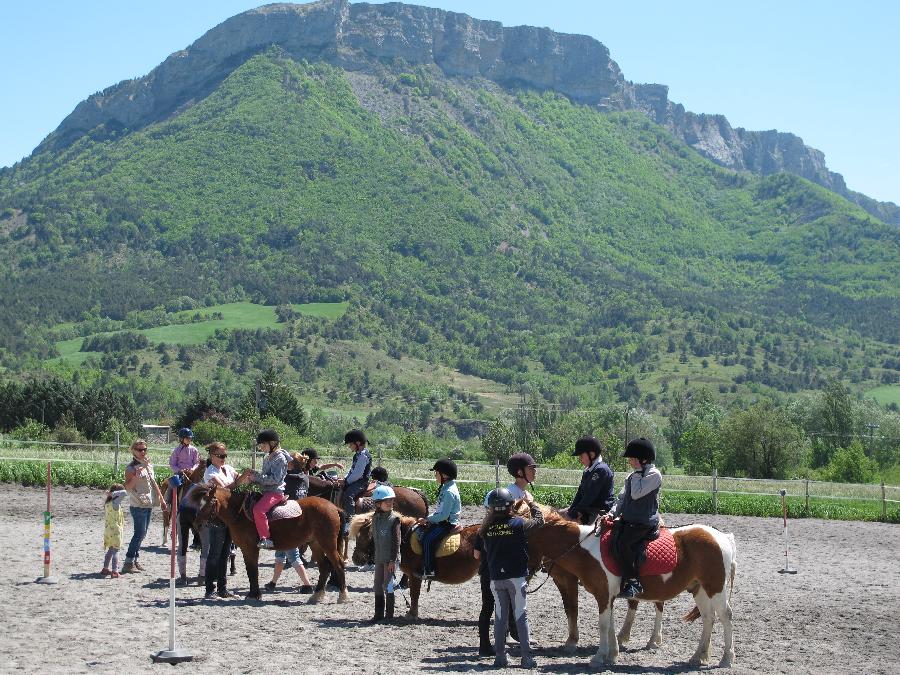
[883,503]
[379,455]
[116,455]
[807,494]
[497,472]
[715,491]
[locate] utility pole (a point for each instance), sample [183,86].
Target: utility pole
[627,407]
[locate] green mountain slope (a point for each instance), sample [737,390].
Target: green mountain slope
[513,235]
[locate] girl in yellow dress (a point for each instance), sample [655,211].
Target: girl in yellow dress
[112,532]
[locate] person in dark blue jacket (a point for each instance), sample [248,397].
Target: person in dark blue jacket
[506,549]
[595,492]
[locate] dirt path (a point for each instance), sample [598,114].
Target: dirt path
[839,614]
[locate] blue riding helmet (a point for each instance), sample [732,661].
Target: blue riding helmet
[382,492]
[185,433]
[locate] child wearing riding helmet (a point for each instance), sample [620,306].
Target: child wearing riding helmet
[635,515]
[445,516]
[386,540]
[184,457]
[296,486]
[595,492]
[357,478]
[270,480]
[380,476]
[506,548]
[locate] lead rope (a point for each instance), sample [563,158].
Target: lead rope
[548,567]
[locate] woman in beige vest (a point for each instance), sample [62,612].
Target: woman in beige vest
[143,493]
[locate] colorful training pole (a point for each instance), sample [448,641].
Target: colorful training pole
[47,578]
[173,654]
[787,569]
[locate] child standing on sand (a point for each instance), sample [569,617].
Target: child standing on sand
[112,532]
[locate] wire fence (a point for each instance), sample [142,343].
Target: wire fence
[117,455]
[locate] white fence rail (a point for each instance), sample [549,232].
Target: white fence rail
[116,455]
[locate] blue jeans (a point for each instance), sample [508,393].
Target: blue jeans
[430,540]
[288,557]
[348,502]
[141,519]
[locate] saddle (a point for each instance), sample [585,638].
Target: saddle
[286,509]
[661,554]
[448,546]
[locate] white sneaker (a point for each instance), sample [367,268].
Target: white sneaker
[266,544]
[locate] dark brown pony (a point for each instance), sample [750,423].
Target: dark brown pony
[407,502]
[319,525]
[706,567]
[194,476]
[456,568]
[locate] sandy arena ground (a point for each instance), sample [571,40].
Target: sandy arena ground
[840,614]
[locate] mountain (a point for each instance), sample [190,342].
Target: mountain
[483,197]
[352,36]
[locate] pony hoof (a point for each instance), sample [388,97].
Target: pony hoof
[696,661]
[343,597]
[599,662]
[316,598]
[653,645]
[570,648]
[254,596]
[727,661]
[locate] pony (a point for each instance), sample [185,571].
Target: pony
[455,568]
[706,565]
[319,525]
[194,476]
[407,501]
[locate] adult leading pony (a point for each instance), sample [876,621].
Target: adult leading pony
[706,565]
[194,476]
[456,568]
[319,525]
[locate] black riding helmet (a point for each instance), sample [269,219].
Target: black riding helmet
[587,444]
[311,453]
[446,467]
[268,436]
[519,462]
[355,436]
[499,500]
[380,474]
[641,449]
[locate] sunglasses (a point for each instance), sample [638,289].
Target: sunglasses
[220,456]
[140,449]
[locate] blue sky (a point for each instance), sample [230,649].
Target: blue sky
[827,71]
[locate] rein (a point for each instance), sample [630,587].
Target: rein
[548,567]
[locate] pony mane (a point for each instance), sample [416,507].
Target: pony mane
[358,522]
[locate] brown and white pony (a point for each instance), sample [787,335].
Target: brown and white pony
[456,568]
[706,568]
[319,525]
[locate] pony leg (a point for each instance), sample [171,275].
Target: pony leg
[707,615]
[568,590]
[324,567]
[608,646]
[415,588]
[723,611]
[656,636]
[251,562]
[625,630]
[337,563]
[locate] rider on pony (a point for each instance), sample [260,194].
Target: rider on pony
[595,492]
[635,516]
[357,478]
[184,457]
[270,480]
[445,516]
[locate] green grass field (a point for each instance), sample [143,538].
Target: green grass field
[889,393]
[234,315]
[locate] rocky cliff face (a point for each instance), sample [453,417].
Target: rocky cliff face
[352,36]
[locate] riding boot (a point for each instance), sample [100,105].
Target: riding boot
[379,608]
[182,568]
[389,607]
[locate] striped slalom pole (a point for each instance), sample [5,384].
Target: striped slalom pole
[173,654]
[47,578]
[787,569]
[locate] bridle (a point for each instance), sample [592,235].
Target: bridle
[547,567]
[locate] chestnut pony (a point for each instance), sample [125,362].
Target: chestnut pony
[407,502]
[456,568]
[706,568]
[319,525]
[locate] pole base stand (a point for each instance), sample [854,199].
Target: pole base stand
[787,570]
[177,655]
[46,580]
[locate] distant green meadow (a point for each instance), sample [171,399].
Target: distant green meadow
[889,393]
[234,315]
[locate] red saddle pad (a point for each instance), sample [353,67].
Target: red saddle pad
[662,556]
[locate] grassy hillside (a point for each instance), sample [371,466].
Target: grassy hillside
[512,236]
